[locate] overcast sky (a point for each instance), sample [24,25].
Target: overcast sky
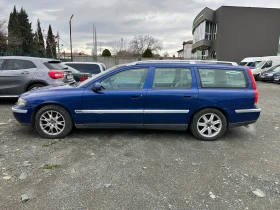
[168,20]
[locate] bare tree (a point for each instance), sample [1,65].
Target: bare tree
[121,49]
[142,42]
[165,54]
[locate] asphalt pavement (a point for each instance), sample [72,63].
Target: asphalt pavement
[143,169]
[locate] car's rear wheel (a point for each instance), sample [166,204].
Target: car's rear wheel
[53,121]
[35,86]
[208,124]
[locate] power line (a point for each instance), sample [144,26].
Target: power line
[64,41]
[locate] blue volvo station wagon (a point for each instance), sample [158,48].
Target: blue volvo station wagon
[207,96]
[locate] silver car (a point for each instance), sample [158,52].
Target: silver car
[19,74]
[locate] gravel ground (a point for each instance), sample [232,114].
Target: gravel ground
[139,169]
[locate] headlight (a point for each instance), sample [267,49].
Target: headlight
[21,102]
[269,74]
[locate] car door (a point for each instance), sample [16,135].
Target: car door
[15,76]
[171,98]
[120,102]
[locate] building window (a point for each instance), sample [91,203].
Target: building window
[204,54]
[205,30]
[214,30]
[199,32]
[214,55]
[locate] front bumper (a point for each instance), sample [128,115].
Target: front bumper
[22,114]
[266,78]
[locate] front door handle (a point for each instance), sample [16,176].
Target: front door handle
[136,97]
[186,96]
[25,72]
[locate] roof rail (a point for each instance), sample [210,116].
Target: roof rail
[187,62]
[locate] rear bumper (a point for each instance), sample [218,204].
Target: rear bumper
[265,78]
[241,117]
[234,125]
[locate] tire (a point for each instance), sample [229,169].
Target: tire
[45,124]
[257,77]
[35,86]
[220,127]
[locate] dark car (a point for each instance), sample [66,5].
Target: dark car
[78,76]
[270,74]
[170,95]
[87,67]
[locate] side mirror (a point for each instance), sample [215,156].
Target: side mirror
[96,87]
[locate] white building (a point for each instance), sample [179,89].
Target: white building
[186,52]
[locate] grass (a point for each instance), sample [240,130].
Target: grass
[49,143]
[51,166]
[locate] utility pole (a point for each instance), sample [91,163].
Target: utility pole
[58,44]
[93,40]
[71,37]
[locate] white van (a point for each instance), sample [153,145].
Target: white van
[251,62]
[266,63]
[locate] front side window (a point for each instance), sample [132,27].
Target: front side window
[172,78]
[221,78]
[16,64]
[128,79]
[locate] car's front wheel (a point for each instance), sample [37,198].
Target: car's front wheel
[53,121]
[208,124]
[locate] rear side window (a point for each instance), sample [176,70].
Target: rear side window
[14,64]
[221,78]
[172,78]
[30,65]
[54,65]
[87,68]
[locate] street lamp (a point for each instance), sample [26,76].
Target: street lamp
[71,38]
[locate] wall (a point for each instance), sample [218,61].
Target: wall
[188,51]
[109,61]
[247,32]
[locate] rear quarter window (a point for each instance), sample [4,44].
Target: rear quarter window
[54,65]
[222,78]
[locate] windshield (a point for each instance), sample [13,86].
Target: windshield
[98,75]
[275,68]
[242,63]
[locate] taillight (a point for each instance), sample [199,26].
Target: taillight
[254,84]
[83,79]
[56,74]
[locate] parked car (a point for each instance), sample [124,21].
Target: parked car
[270,74]
[78,76]
[265,64]
[19,74]
[171,95]
[251,62]
[87,67]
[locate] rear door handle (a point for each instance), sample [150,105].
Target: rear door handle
[186,96]
[25,72]
[136,97]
